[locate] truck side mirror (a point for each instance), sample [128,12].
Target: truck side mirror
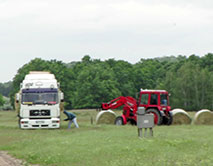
[58,85]
[17,97]
[62,97]
[21,85]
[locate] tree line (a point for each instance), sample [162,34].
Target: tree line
[89,82]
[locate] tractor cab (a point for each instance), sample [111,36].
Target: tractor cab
[156,102]
[154,98]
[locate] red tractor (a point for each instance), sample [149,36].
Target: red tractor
[154,101]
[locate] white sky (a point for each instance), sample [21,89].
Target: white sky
[122,29]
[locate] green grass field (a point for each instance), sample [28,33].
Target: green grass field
[106,145]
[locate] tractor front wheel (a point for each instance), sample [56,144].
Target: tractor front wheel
[157,116]
[167,120]
[119,121]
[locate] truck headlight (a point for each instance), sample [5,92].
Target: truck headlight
[56,121]
[24,122]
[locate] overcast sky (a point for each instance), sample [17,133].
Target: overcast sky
[121,29]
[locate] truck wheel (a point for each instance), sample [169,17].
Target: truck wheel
[119,121]
[19,122]
[157,116]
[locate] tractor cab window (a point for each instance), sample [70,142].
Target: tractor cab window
[163,99]
[144,99]
[154,99]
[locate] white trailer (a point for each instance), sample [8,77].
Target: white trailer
[39,101]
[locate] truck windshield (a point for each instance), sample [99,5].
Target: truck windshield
[40,96]
[163,99]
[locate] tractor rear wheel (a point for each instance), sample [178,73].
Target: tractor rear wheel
[119,121]
[157,116]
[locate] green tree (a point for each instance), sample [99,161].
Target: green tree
[5,88]
[94,84]
[190,86]
[207,61]
[1,100]
[124,77]
[147,73]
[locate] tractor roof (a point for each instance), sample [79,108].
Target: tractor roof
[152,90]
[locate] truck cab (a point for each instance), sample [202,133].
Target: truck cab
[39,101]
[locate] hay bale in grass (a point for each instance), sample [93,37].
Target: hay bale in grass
[180,117]
[203,117]
[105,117]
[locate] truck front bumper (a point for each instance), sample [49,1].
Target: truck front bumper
[39,123]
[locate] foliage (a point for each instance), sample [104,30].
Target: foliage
[94,83]
[123,75]
[1,100]
[5,88]
[190,85]
[7,105]
[89,82]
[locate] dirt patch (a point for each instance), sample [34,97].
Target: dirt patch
[7,160]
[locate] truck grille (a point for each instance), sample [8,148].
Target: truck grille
[39,112]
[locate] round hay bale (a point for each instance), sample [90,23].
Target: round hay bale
[204,117]
[180,117]
[105,117]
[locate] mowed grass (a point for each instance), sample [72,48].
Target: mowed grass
[106,145]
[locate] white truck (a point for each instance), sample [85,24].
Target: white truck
[39,101]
